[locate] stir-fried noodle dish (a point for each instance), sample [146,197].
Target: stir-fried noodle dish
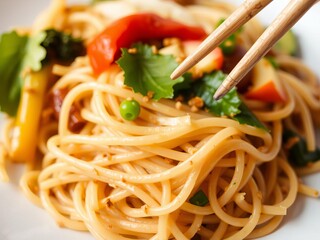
[113,146]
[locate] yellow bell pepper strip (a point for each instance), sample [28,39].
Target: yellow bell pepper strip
[24,139]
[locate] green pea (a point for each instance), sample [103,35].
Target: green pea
[129,109]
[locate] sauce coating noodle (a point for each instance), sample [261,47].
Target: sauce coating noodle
[133,180]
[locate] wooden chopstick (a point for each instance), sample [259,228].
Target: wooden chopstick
[287,18]
[240,16]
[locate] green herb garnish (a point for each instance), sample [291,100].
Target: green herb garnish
[146,72]
[298,153]
[199,199]
[228,46]
[273,62]
[247,117]
[17,54]
[207,86]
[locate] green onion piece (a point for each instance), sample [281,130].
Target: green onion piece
[221,20]
[228,46]
[273,62]
[199,199]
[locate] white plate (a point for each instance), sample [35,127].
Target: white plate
[21,220]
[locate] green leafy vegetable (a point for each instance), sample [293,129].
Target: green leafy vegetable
[62,46]
[199,199]
[247,117]
[226,106]
[145,71]
[185,84]
[23,53]
[17,54]
[298,153]
[230,105]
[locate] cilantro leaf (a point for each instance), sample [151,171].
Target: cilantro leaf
[184,85]
[18,53]
[35,53]
[230,105]
[247,117]
[208,85]
[146,72]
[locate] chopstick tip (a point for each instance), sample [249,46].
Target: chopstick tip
[175,74]
[221,91]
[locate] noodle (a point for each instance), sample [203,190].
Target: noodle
[133,180]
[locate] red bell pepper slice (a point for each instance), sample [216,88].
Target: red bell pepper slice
[105,48]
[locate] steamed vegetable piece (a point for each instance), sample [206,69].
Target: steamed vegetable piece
[266,84]
[23,78]
[213,61]
[24,138]
[105,48]
[20,57]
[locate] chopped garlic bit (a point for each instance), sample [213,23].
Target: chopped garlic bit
[154,49]
[196,102]
[150,94]
[178,105]
[132,50]
[171,41]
